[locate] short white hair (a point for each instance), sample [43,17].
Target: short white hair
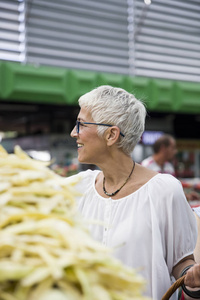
[115,106]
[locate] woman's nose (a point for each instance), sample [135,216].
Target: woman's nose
[73,132]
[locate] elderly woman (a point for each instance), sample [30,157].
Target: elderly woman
[138,212]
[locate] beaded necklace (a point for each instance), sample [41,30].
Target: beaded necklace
[114,193]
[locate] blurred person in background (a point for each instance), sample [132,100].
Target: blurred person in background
[164,150]
[137,211]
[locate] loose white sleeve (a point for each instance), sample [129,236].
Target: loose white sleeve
[177,222]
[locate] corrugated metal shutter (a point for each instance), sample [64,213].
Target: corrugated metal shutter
[91,35]
[167,39]
[161,40]
[12,30]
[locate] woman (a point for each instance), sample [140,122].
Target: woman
[137,211]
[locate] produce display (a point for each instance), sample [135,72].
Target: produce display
[191,183]
[191,187]
[46,252]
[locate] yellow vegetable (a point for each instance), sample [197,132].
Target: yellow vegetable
[45,251]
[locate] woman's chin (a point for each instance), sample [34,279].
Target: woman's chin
[83,161]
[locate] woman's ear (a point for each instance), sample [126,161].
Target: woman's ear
[112,135]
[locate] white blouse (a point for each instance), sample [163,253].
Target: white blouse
[151,229]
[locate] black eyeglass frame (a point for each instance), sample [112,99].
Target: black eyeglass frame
[99,124]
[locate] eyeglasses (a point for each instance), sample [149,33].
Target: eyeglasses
[78,123]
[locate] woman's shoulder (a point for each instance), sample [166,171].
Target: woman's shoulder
[157,184]
[154,183]
[168,190]
[166,181]
[151,177]
[167,178]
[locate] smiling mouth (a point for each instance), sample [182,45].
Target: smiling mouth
[79,145]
